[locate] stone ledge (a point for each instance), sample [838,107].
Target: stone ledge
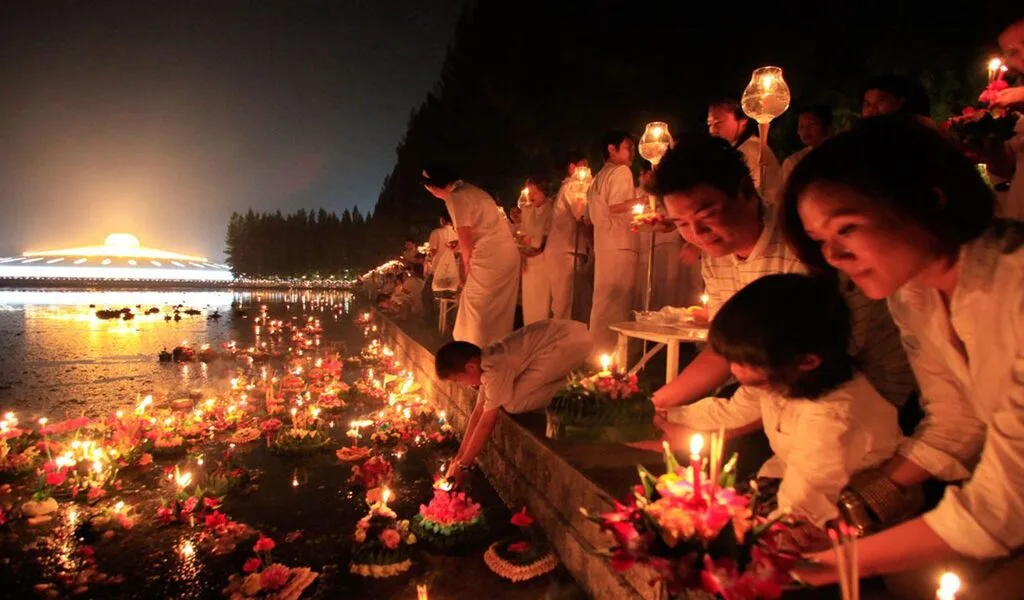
[553,479]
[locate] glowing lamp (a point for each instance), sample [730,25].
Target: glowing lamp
[654,142]
[606,363]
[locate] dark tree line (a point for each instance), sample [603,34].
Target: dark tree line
[524,82]
[301,243]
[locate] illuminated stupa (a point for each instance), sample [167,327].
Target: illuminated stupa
[120,258]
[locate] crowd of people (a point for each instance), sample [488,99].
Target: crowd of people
[866,308]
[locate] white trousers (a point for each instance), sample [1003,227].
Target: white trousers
[487,306]
[536,290]
[614,283]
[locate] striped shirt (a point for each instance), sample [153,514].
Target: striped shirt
[875,339]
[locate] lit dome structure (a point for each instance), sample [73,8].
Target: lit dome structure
[121,258]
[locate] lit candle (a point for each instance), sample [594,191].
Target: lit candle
[638,209]
[606,363]
[385,496]
[421,591]
[994,66]
[696,445]
[441,418]
[949,585]
[704,299]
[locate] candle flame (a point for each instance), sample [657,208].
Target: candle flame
[994,65]
[657,131]
[606,362]
[949,584]
[638,209]
[385,496]
[421,591]
[696,444]
[704,299]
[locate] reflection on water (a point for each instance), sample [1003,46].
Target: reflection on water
[60,359]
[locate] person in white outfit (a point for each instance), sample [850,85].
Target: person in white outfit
[787,340]
[518,374]
[814,124]
[616,247]
[567,244]
[489,257]
[537,215]
[922,234]
[727,121]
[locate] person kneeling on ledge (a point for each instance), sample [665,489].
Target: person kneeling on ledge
[519,374]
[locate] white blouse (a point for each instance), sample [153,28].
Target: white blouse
[613,185]
[819,444]
[470,206]
[969,362]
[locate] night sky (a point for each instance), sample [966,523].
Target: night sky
[160,118]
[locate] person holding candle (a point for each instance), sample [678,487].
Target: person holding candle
[727,120]
[814,125]
[616,248]
[786,339]
[537,215]
[921,233]
[519,374]
[707,189]
[489,255]
[1008,159]
[567,245]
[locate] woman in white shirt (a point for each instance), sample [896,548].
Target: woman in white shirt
[901,211]
[727,121]
[489,254]
[787,339]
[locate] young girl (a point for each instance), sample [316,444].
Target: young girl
[786,338]
[908,218]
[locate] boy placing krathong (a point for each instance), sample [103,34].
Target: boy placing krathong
[518,374]
[786,338]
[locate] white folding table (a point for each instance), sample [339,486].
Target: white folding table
[664,336]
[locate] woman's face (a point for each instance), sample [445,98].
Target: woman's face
[877,102]
[877,247]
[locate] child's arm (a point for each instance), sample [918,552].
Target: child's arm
[710,414]
[479,428]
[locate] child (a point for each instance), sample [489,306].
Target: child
[786,338]
[519,374]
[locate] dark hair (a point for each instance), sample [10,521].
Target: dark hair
[733,105]
[544,179]
[417,268]
[410,240]
[645,165]
[915,98]
[613,138]
[701,159]
[439,175]
[902,164]
[451,359]
[776,320]
[445,220]
[569,158]
[821,112]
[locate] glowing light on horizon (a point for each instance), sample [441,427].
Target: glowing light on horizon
[121,245]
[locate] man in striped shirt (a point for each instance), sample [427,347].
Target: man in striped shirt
[709,194]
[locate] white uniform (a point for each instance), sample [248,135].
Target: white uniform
[523,371]
[488,302]
[615,252]
[443,265]
[969,361]
[791,162]
[751,153]
[671,277]
[818,444]
[565,238]
[536,284]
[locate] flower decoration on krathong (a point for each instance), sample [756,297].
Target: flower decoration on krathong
[524,555]
[381,542]
[262,578]
[696,537]
[374,473]
[647,220]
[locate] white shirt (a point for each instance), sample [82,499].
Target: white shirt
[751,150]
[540,352]
[875,340]
[818,444]
[438,241]
[973,395]
[612,186]
[791,161]
[1014,199]
[470,206]
[563,236]
[536,223]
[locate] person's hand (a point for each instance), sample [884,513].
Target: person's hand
[453,469]
[803,537]
[1010,97]
[689,255]
[818,570]
[676,435]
